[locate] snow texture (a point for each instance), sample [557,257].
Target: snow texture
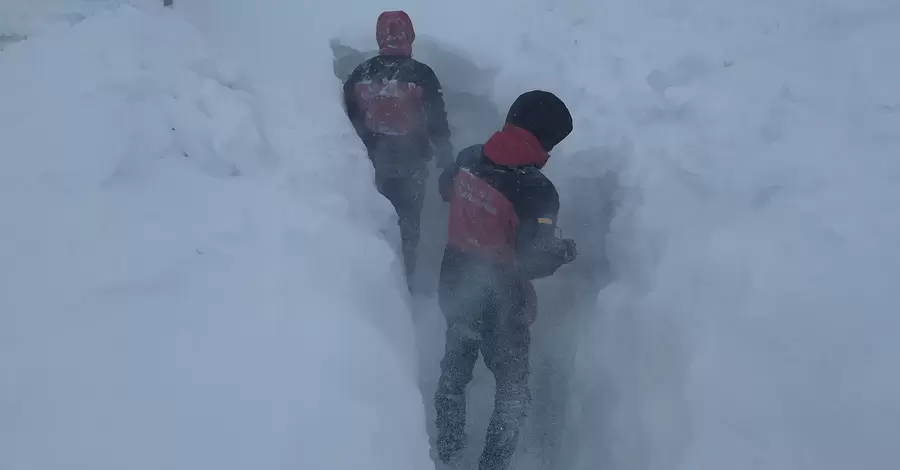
[190,278]
[196,271]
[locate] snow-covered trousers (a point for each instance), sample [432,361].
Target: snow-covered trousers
[401,169]
[407,195]
[483,317]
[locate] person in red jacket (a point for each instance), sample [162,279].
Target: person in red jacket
[502,228]
[397,108]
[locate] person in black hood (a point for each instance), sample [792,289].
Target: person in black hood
[501,237]
[397,108]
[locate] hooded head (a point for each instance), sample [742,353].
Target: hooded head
[536,123]
[395,34]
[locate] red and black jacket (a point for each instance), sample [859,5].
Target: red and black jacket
[394,95]
[503,210]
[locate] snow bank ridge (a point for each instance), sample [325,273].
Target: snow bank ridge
[180,273]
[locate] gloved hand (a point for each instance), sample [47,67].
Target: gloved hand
[443,152]
[570,252]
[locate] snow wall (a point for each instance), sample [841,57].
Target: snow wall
[747,319]
[195,273]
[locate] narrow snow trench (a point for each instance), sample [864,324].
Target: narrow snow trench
[563,298]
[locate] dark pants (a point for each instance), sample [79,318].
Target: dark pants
[407,194]
[484,314]
[400,174]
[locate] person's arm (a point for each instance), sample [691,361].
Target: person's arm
[351,105]
[539,252]
[436,117]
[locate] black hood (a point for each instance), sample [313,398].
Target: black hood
[542,114]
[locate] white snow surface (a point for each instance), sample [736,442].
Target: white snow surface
[184,266]
[196,272]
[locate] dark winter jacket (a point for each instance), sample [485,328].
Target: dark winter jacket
[503,210]
[395,102]
[504,215]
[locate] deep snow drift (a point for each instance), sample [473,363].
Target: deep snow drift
[176,262]
[197,271]
[751,323]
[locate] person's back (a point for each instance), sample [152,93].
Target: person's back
[396,107]
[396,99]
[500,236]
